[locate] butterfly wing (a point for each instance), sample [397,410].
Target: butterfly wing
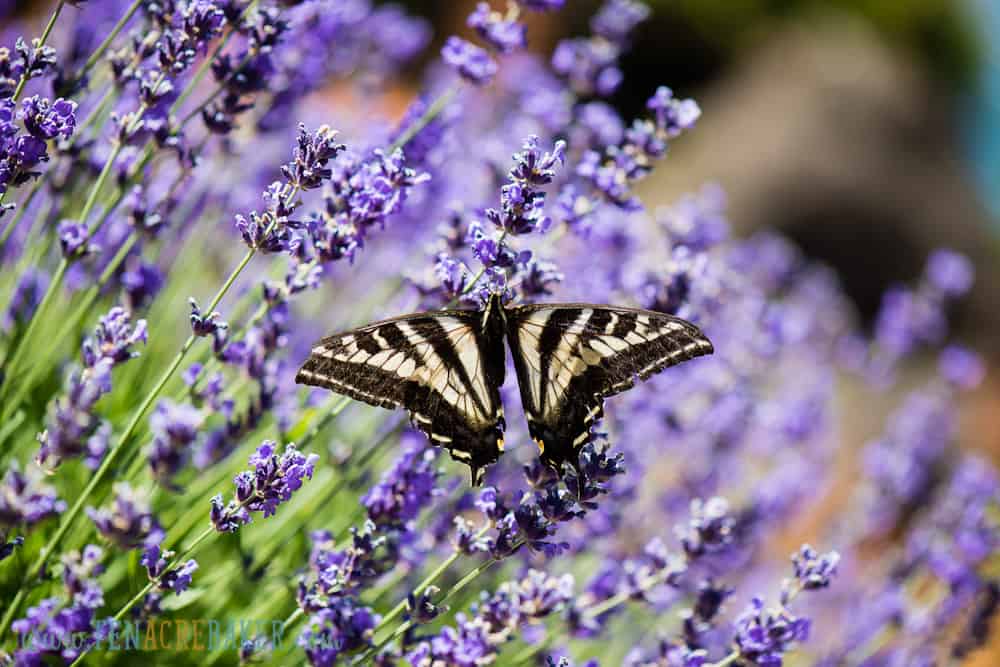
[570,357]
[445,368]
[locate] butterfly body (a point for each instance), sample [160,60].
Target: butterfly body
[446,368]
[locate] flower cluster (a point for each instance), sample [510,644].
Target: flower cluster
[502,32]
[271,482]
[495,619]
[128,523]
[25,499]
[48,629]
[272,231]
[21,152]
[72,428]
[590,64]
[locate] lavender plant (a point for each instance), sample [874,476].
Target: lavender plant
[179,222]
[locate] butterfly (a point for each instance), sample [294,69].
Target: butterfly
[446,368]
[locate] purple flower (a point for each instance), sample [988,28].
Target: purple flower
[673,116]
[764,635]
[47,120]
[313,152]
[113,339]
[71,422]
[522,203]
[272,482]
[709,529]
[342,628]
[74,239]
[503,34]
[25,498]
[542,5]
[961,367]
[616,19]
[406,488]
[950,272]
[812,569]
[157,564]
[205,325]
[129,523]
[472,62]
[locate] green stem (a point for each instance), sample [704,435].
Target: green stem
[728,660]
[21,208]
[203,69]
[430,114]
[14,361]
[41,42]
[68,518]
[103,46]
[208,532]
[428,580]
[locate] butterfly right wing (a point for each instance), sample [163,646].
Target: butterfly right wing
[442,367]
[570,357]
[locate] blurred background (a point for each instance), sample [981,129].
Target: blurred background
[868,131]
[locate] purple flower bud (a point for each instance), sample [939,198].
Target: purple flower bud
[950,272]
[73,239]
[25,498]
[205,325]
[709,528]
[502,34]
[47,120]
[129,523]
[764,635]
[961,367]
[472,62]
[812,569]
[616,19]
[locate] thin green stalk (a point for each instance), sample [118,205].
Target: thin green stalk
[56,282]
[41,40]
[14,360]
[68,518]
[208,532]
[21,208]
[431,578]
[728,660]
[103,46]
[432,112]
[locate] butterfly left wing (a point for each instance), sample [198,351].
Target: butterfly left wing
[570,357]
[445,368]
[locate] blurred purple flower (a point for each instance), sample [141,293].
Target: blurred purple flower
[473,63]
[129,523]
[503,34]
[950,272]
[26,499]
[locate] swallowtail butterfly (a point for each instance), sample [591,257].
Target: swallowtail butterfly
[446,368]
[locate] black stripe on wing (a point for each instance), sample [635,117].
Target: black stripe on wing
[445,368]
[570,357]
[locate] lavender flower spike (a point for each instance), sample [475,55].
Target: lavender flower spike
[472,62]
[271,482]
